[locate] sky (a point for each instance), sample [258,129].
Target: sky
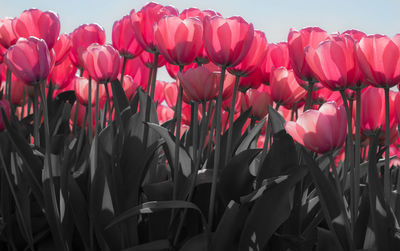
[273,17]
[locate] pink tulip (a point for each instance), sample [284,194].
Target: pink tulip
[62,48]
[81,87]
[6,107]
[82,37]
[355,34]
[258,100]
[171,94]
[253,59]
[379,60]
[138,71]
[334,63]
[320,131]
[277,56]
[62,74]
[17,90]
[43,25]
[148,59]
[101,62]
[30,60]
[123,38]
[297,42]
[227,40]
[179,41]
[199,84]
[8,36]
[285,88]
[174,69]
[254,80]
[164,113]
[144,20]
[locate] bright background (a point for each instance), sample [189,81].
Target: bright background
[274,17]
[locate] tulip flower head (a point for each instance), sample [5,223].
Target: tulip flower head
[8,36]
[321,131]
[124,40]
[62,48]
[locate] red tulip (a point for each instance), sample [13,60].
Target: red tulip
[179,41]
[379,60]
[174,69]
[81,87]
[277,56]
[2,53]
[8,36]
[62,74]
[128,85]
[254,80]
[227,41]
[258,100]
[138,71]
[123,38]
[164,113]
[297,42]
[6,107]
[320,131]
[355,34]
[334,64]
[82,37]
[144,20]
[148,59]
[373,110]
[171,94]
[34,22]
[285,88]
[227,103]
[324,95]
[254,58]
[30,60]
[62,47]
[17,90]
[102,62]
[202,58]
[199,84]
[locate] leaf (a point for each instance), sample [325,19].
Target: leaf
[155,206]
[266,184]
[250,137]
[197,243]
[326,240]
[277,121]
[151,246]
[332,205]
[184,158]
[119,98]
[269,212]
[236,180]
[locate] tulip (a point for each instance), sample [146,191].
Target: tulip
[129,86]
[254,58]
[199,84]
[8,36]
[62,48]
[164,113]
[179,41]
[138,71]
[17,90]
[171,94]
[161,93]
[355,34]
[123,38]
[36,23]
[254,80]
[81,87]
[285,88]
[62,74]
[258,100]
[321,131]
[30,60]
[227,41]
[174,69]
[2,53]
[148,60]
[277,56]
[334,64]
[101,62]
[82,37]
[144,20]
[6,107]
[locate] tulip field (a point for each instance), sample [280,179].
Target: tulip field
[254,146]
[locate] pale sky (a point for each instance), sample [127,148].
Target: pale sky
[274,17]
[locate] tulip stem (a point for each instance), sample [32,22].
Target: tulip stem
[386,177]
[36,115]
[23,105]
[357,150]
[231,114]
[123,70]
[350,159]
[154,75]
[48,163]
[149,80]
[76,117]
[308,104]
[108,104]
[8,85]
[178,112]
[217,151]
[89,107]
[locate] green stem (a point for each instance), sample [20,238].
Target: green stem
[108,104]
[386,177]
[217,151]
[123,70]
[308,103]
[153,79]
[357,151]
[231,114]
[178,108]
[36,116]
[90,125]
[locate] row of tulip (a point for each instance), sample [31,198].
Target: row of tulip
[225,70]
